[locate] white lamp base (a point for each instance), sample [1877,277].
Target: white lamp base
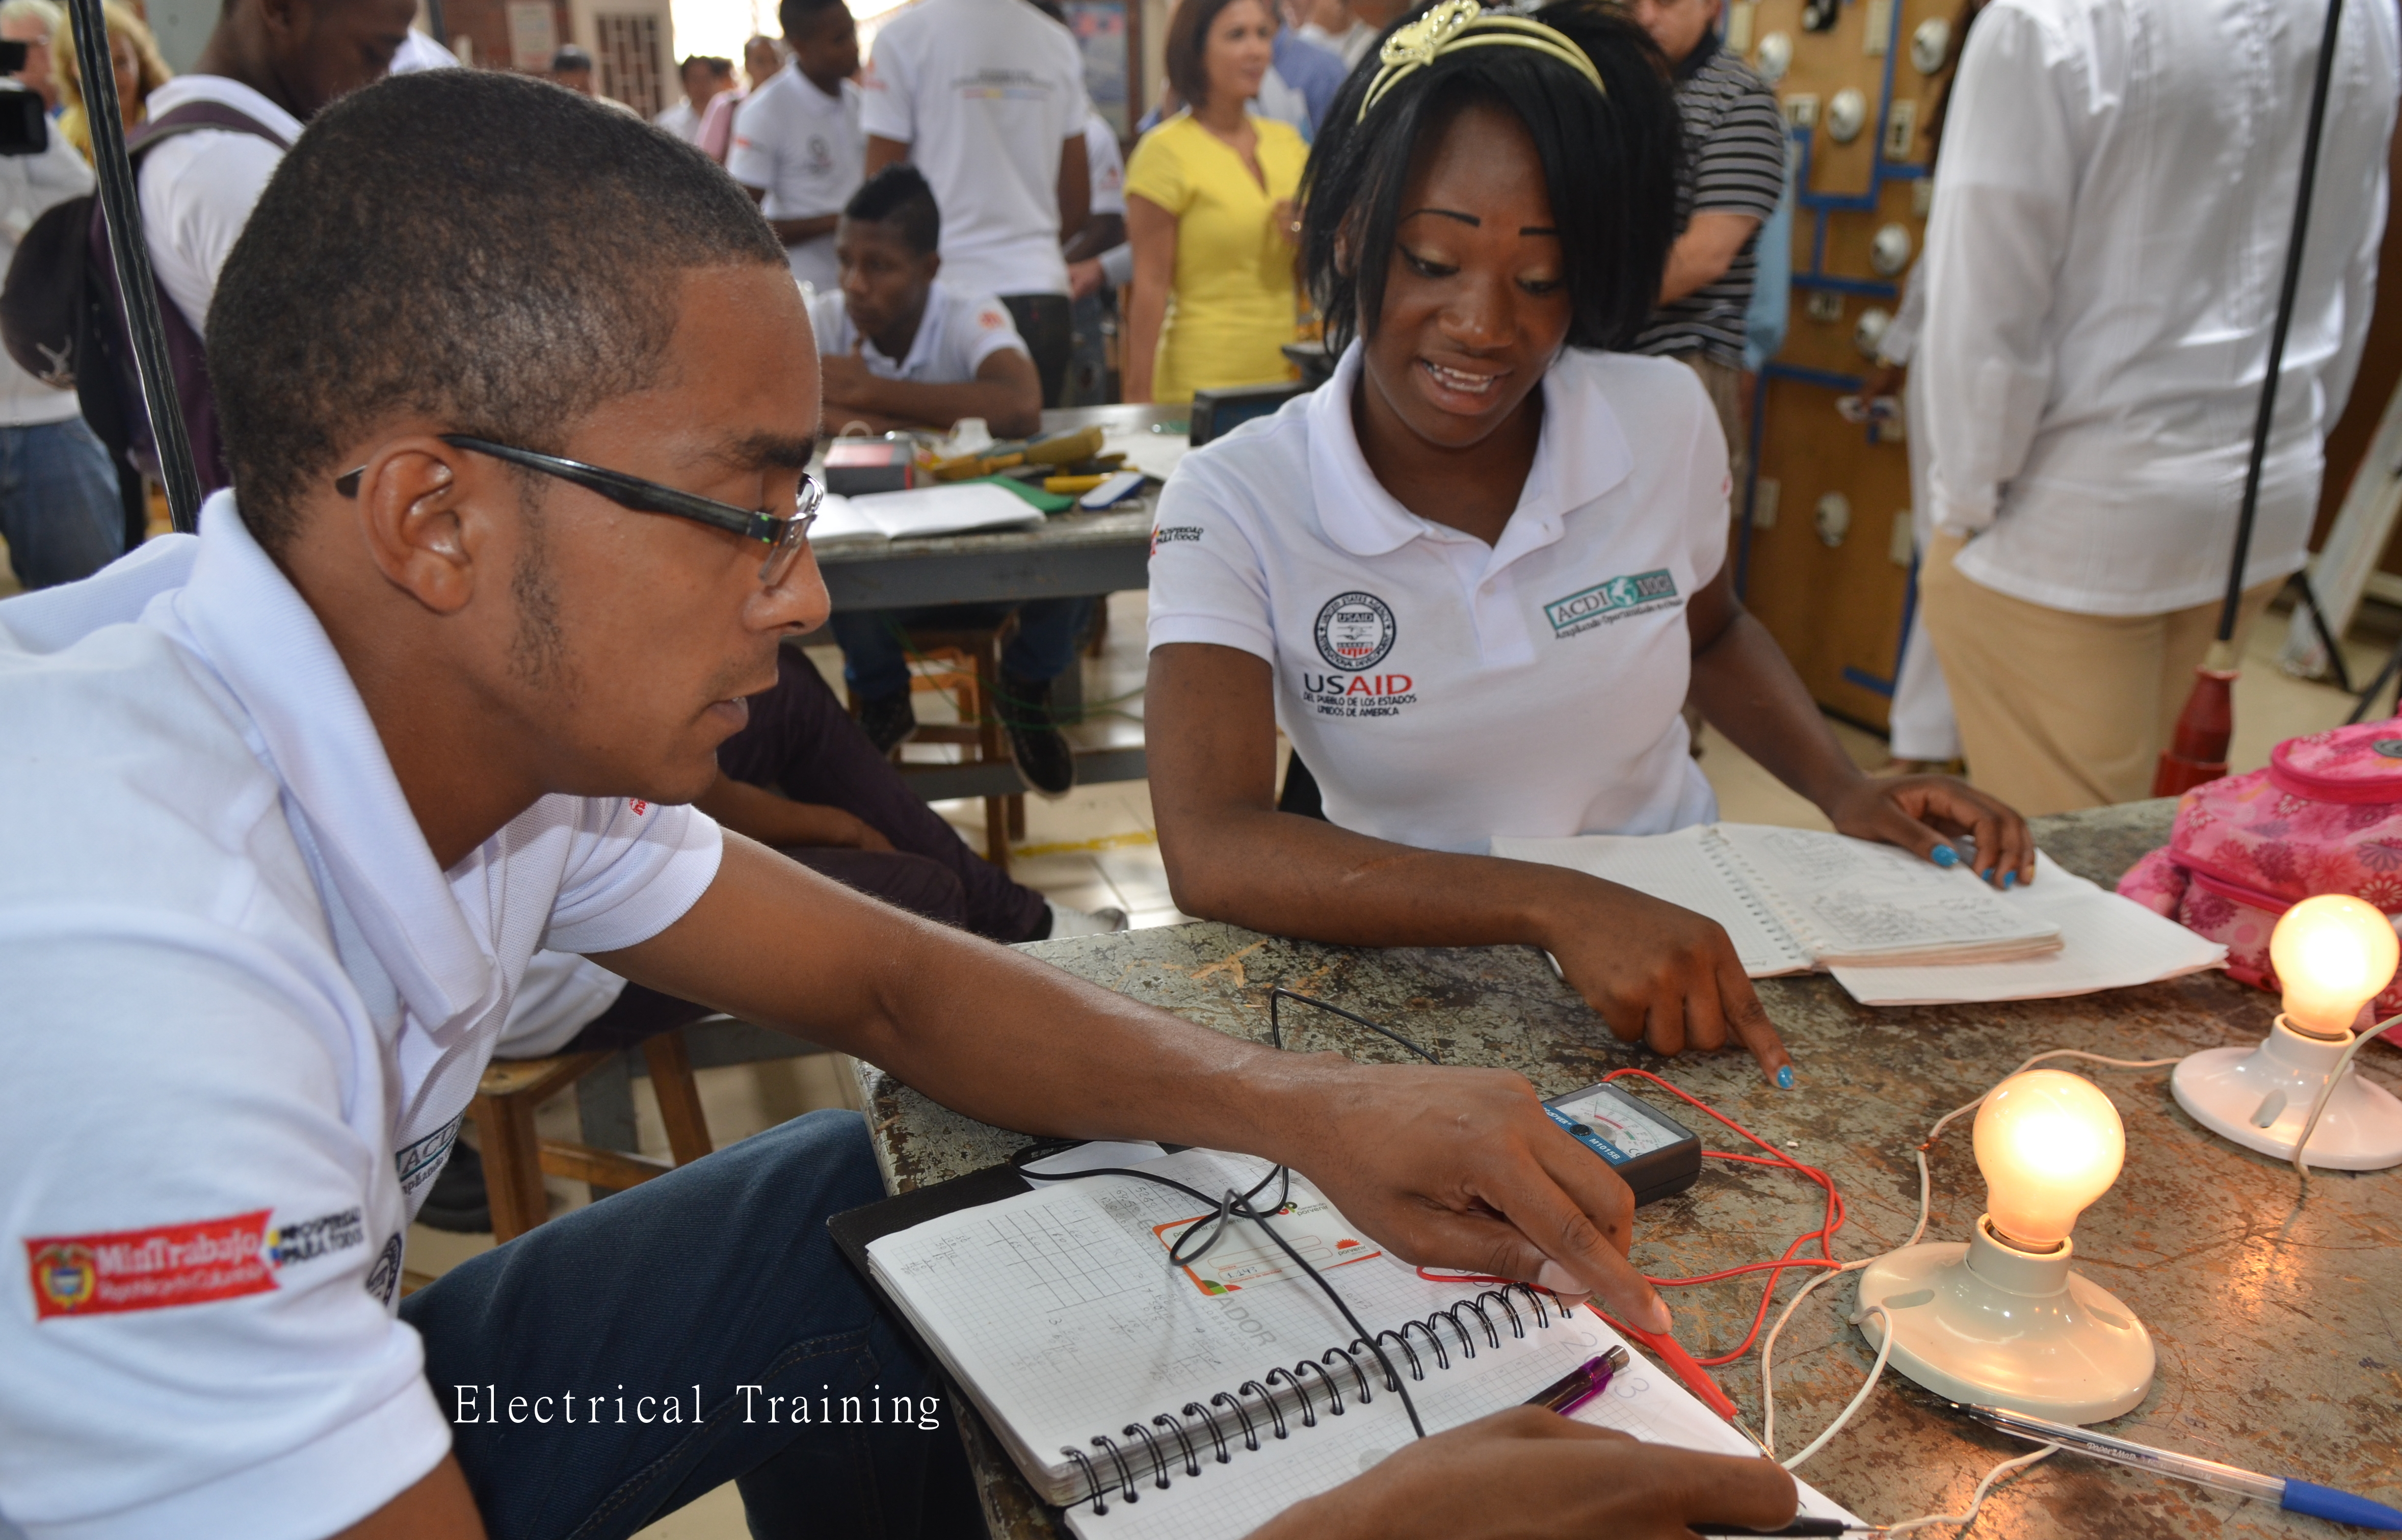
[1987,1323]
[2260,1096]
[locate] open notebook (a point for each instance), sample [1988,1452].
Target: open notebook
[1056,1312]
[1792,900]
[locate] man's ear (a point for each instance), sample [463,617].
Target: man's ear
[425,510]
[933,266]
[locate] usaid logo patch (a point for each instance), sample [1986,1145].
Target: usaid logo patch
[1617,600]
[1355,631]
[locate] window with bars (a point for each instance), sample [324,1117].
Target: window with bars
[633,64]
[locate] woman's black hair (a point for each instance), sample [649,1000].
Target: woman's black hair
[1609,160]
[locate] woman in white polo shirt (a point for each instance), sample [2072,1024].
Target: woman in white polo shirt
[1475,576]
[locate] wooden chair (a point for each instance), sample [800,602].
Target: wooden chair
[968,670]
[515,1157]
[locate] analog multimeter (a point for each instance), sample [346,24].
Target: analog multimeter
[1652,1153]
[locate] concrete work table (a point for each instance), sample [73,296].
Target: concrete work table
[2278,1323]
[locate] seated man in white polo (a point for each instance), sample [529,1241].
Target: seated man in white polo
[429,690]
[905,348]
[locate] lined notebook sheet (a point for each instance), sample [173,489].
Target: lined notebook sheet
[1680,870]
[1794,899]
[1059,1313]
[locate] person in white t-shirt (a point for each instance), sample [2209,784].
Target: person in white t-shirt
[902,348]
[431,690]
[796,140]
[705,77]
[986,97]
[276,65]
[1473,576]
[899,346]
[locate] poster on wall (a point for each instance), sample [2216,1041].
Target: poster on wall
[1107,41]
[533,35]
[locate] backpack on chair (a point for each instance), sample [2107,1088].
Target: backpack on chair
[62,315]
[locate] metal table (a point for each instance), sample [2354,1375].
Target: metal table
[1069,554]
[2278,1323]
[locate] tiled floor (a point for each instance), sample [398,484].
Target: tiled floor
[1097,848]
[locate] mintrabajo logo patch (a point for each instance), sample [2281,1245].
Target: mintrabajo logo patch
[1605,604]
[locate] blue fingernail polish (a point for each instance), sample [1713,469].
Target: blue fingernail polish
[1945,856]
[1785,1077]
[1987,873]
[2009,879]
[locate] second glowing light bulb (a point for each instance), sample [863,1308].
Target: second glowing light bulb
[2048,1144]
[2332,954]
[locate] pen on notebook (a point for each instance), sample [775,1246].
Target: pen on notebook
[1830,1528]
[2292,1495]
[1580,1384]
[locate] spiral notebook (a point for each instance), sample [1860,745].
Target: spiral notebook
[1794,900]
[1152,1400]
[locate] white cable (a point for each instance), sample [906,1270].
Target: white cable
[1876,1371]
[1768,1344]
[2318,1104]
[1977,1500]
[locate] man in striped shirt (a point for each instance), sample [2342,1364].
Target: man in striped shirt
[1733,176]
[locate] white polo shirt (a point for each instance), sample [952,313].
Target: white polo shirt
[246,1013]
[198,189]
[984,92]
[1443,691]
[804,147]
[956,335]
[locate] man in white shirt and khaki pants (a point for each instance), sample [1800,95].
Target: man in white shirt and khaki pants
[2103,264]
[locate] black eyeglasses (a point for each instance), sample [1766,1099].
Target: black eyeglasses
[785,535]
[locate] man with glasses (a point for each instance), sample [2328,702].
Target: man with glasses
[299,798]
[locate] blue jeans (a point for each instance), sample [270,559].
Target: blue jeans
[57,503]
[877,664]
[715,1288]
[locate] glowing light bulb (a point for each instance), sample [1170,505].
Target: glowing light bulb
[2332,955]
[2048,1143]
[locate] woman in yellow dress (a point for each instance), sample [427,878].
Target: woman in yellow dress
[1210,211]
[139,70]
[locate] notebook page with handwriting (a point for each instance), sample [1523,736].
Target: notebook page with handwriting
[1682,869]
[1852,901]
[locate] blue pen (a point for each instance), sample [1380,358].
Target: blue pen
[2294,1496]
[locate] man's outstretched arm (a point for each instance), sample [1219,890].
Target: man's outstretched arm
[1451,1167]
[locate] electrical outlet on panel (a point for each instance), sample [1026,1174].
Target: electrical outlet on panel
[1901,130]
[1900,544]
[1921,197]
[1824,305]
[1802,110]
[1764,493]
[1738,25]
[1878,19]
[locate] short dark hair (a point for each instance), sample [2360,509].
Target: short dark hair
[898,196]
[1187,45]
[1609,159]
[569,57]
[402,259]
[795,16]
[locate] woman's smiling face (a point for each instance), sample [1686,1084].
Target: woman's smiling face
[1476,300]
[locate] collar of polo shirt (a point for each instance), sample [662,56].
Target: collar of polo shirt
[1581,454]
